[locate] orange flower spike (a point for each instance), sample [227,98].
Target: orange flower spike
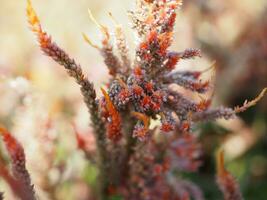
[115,125]
[110,107]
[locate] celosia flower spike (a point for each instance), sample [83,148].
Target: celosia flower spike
[146,92]
[248,104]
[34,22]
[226,113]
[103,29]
[110,59]
[114,119]
[186,151]
[11,181]
[190,53]
[122,45]
[52,50]
[226,181]
[19,171]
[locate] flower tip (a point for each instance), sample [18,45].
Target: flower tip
[107,98]
[104,29]
[248,104]
[88,41]
[103,91]
[113,19]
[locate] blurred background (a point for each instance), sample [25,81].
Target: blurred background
[40,103]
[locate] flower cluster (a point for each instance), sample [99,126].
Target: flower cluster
[135,160]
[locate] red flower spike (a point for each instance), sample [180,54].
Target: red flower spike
[80,141]
[20,178]
[12,182]
[191,53]
[14,149]
[84,140]
[114,126]
[187,152]
[226,181]
[172,20]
